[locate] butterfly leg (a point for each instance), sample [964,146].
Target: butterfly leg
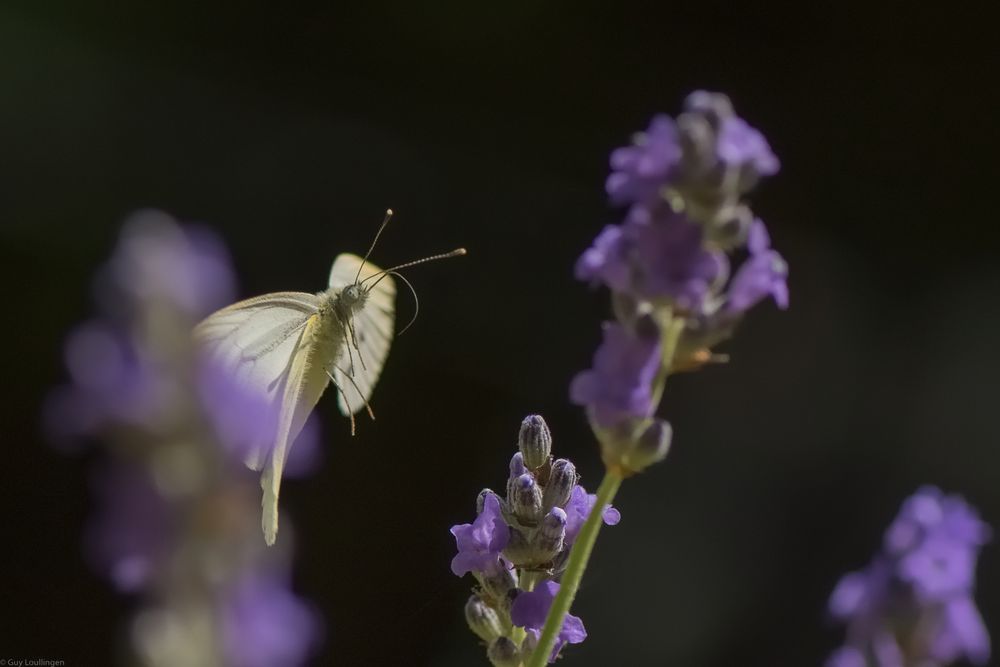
[354,341]
[358,389]
[346,402]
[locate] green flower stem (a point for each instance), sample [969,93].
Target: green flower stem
[578,557]
[671,327]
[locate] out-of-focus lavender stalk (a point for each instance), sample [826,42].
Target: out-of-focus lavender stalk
[913,605]
[674,295]
[178,523]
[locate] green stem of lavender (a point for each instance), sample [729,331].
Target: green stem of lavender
[579,556]
[575,568]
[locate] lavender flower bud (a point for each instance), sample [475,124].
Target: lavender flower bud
[499,584]
[535,441]
[729,233]
[562,479]
[526,499]
[550,537]
[482,619]
[518,550]
[716,107]
[558,564]
[503,653]
[481,499]
[529,644]
[517,467]
[652,446]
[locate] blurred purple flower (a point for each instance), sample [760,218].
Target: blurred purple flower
[929,513]
[961,633]
[529,610]
[639,172]
[578,509]
[763,274]
[740,145]
[265,624]
[619,386]
[915,599]
[671,260]
[607,261]
[245,422]
[158,259]
[170,520]
[132,528]
[480,543]
[656,255]
[684,182]
[723,156]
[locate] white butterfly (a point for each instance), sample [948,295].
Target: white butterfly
[289,345]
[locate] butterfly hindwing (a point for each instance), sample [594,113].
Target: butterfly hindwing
[358,370]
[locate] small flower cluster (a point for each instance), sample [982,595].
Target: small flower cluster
[178,513]
[913,605]
[517,548]
[668,265]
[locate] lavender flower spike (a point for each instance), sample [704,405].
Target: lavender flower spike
[517,549]
[915,598]
[480,543]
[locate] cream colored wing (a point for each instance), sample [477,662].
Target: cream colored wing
[256,340]
[373,328]
[304,384]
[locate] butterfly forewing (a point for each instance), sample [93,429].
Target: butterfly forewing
[255,341]
[373,330]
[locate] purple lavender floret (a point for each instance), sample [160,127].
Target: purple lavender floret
[578,509]
[481,542]
[741,145]
[608,261]
[530,609]
[639,172]
[916,597]
[723,155]
[264,623]
[764,274]
[670,258]
[111,380]
[619,386]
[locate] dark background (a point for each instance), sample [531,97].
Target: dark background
[290,130]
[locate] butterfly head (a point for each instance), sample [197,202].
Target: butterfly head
[352,297]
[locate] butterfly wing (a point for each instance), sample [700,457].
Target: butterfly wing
[373,328]
[305,382]
[275,346]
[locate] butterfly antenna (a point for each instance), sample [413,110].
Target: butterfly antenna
[385,221]
[416,302]
[457,252]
